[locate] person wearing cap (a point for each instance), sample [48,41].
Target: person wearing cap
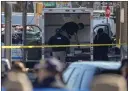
[59,39]
[46,74]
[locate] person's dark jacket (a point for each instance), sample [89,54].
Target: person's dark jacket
[101,52]
[102,39]
[59,39]
[70,28]
[49,82]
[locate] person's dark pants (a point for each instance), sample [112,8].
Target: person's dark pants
[100,54]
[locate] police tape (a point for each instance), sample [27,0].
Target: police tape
[50,46]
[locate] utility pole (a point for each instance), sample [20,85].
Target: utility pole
[24,21]
[8,28]
[124,30]
[117,24]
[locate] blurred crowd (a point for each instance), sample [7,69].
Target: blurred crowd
[49,75]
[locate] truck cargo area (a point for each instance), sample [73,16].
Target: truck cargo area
[54,20]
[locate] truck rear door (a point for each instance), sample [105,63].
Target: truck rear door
[56,17]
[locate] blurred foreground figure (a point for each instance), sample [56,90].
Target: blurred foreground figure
[109,82]
[18,67]
[17,80]
[46,74]
[101,52]
[124,69]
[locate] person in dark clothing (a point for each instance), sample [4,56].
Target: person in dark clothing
[59,39]
[71,28]
[101,52]
[46,74]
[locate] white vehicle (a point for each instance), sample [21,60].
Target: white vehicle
[53,18]
[99,19]
[98,13]
[109,27]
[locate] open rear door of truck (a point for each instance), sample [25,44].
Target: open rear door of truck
[54,18]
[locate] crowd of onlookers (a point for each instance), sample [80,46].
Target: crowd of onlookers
[49,75]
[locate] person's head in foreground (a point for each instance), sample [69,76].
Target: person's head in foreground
[19,67]
[124,68]
[50,68]
[17,82]
[109,82]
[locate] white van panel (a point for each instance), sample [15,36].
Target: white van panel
[59,19]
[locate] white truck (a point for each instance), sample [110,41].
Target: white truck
[109,27]
[53,18]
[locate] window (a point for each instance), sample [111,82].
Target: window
[97,28]
[105,28]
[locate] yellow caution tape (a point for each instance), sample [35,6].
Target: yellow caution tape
[49,46]
[119,44]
